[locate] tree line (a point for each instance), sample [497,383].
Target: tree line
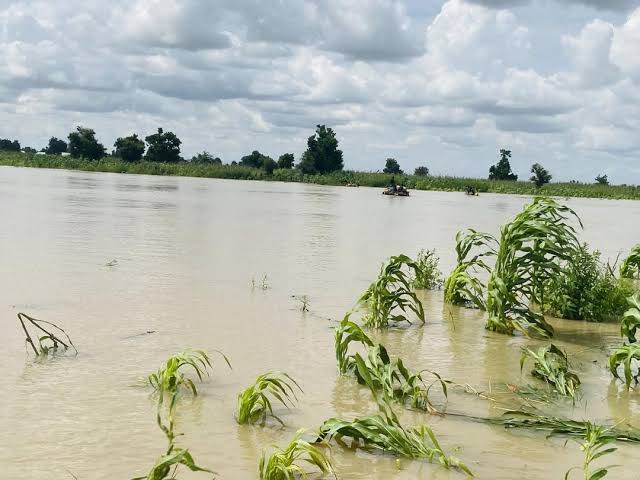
[321,156]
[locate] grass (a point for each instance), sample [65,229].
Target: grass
[596,444]
[390,296]
[284,464]
[238,172]
[254,403]
[462,286]
[552,365]
[427,276]
[629,353]
[630,266]
[530,250]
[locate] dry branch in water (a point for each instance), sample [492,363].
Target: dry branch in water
[49,342]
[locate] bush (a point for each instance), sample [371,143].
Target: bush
[427,274]
[586,289]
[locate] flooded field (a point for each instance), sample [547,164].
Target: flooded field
[187,252]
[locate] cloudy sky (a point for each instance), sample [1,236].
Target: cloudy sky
[442,84]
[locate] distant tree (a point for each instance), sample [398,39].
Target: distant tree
[286,160]
[322,154]
[602,180]
[540,175]
[502,170]
[163,147]
[30,150]
[255,159]
[83,143]
[421,171]
[392,166]
[129,149]
[234,162]
[56,146]
[269,165]
[205,158]
[8,145]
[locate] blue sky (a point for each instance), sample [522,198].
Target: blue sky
[442,84]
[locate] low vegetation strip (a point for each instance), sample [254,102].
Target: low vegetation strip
[365,179]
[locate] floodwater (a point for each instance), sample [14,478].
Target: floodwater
[187,251]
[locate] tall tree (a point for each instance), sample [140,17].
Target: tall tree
[392,166]
[6,144]
[322,154]
[502,170]
[129,149]
[421,171]
[163,147]
[83,143]
[56,146]
[286,160]
[602,180]
[258,160]
[540,175]
[205,158]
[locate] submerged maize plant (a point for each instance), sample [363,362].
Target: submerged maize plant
[385,432]
[427,276]
[254,403]
[597,443]
[285,463]
[47,342]
[630,266]
[628,355]
[552,365]
[530,250]
[346,333]
[389,297]
[462,286]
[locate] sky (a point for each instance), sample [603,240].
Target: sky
[440,84]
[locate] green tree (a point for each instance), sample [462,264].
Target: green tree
[129,149]
[322,154]
[540,175]
[502,170]
[286,160]
[163,147]
[205,158]
[6,144]
[83,143]
[258,160]
[421,171]
[30,150]
[269,165]
[392,166]
[56,146]
[602,180]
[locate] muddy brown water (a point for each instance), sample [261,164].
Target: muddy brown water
[187,251]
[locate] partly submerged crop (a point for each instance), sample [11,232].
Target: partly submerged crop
[552,365]
[254,403]
[628,355]
[285,463]
[596,444]
[427,276]
[47,341]
[630,266]
[346,333]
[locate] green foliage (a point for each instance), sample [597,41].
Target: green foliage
[286,160]
[596,444]
[322,154]
[392,292]
[392,166]
[56,146]
[530,250]
[163,147]
[631,320]
[462,287]
[421,171]
[540,175]
[602,180]
[346,333]
[552,365]
[427,276]
[9,146]
[284,463]
[254,403]
[585,289]
[129,149]
[385,432]
[628,354]
[83,144]
[630,266]
[205,158]
[502,170]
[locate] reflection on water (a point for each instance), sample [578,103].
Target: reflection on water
[187,250]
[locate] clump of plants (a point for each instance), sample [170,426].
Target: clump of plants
[586,289]
[255,402]
[597,443]
[46,342]
[552,365]
[530,251]
[630,266]
[427,276]
[628,355]
[462,286]
[390,298]
[346,333]
[285,463]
